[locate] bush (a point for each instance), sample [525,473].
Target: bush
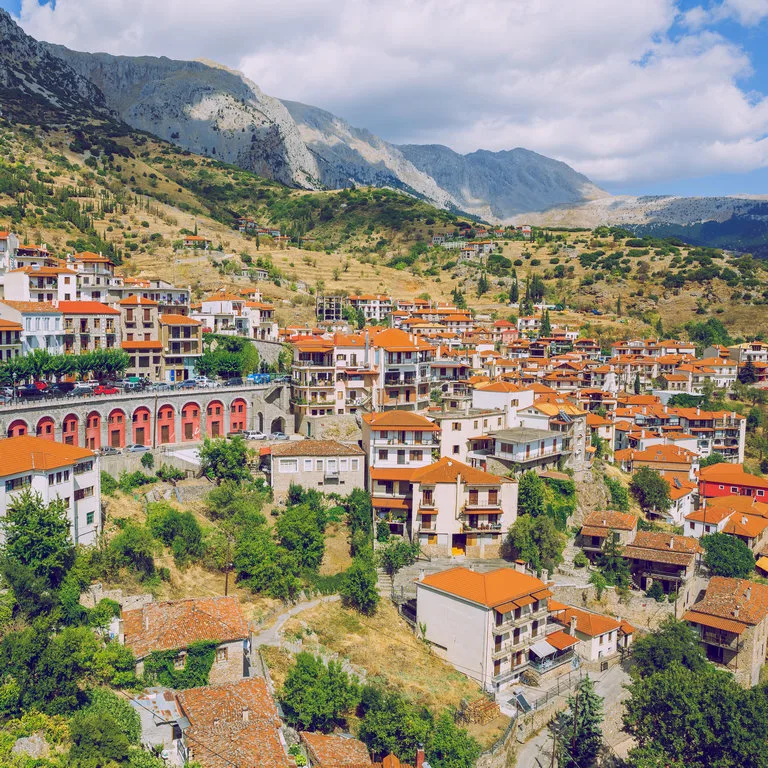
[359,588]
[108,484]
[656,592]
[581,560]
[178,530]
[169,474]
[726,555]
[129,481]
[147,460]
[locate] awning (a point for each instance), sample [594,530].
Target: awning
[762,563]
[390,503]
[506,607]
[541,594]
[527,600]
[542,649]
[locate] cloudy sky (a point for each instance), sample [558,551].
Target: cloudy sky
[644,96]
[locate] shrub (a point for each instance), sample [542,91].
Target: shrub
[656,592]
[581,560]
[108,484]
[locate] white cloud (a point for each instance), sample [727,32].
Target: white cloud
[597,83]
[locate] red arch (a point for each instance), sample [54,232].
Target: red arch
[238,414]
[190,422]
[142,426]
[69,429]
[93,431]
[46,428]
[214,422]
[17,428]
[116,428]
[166,427]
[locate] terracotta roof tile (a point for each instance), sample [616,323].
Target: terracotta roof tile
[446,470]
[334,751]
[86,308]
[592,624]
[27,453]
[735,599]
[490,589]
[316,448]
[402,420]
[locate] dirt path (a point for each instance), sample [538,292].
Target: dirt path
[272,635]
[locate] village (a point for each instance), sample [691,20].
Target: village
[535,503]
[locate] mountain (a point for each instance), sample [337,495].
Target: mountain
[499,185]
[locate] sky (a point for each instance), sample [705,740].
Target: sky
[642,96]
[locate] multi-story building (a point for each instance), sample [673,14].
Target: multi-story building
[138,319]
[462,429]
[88,326]
[731,480]
[742,517]
[665,558]
[396,443]
[54,471]
[181,338]
[598,527]
[403,362]
[42,284]
[459,510]
[483,623]
[42,325]
[752,351]
[324,465]
[330,309]
[95,276]
[171,300]
[9,243]
[375,307]
[10,340]
[732,622]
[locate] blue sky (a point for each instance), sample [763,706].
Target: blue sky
[643,96]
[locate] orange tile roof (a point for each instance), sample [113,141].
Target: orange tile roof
[447,470]
[223,296]
[748,504]
[171,625]
[498,386]
[141,344]
[402,420]
[317,448]
[134,300]
[489,589]
[9,325]
[178,320]
[27,453]
[234,725]
[663,548]
[609,520]
[394,473]
[592,624]
[92,257]
[395,340]
[382,503]
[561,640]
[334,751]
[86,308]
[735,599]
[749,526]
[732,474]
[38,307]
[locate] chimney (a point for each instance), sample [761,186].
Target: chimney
[420,756]
[748,594]
[520,566]
[215,722]
[735,613]
[245,714]
[421,574]
[572,626]
[743,519]
[671,542]
[146,623]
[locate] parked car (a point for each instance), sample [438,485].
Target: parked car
[204,382]
[135,448]
[108,450]
[81,388]
[41,385]
[278,436]
[188,384]
[105,389]
[56,390]
[282,380]
[64,386]
[234,382]
[254,435]
[29,392]
[161,386]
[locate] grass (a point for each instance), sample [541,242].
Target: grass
[385,647]
[336,558]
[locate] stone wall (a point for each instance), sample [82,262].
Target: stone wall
[502,753]
[228,670]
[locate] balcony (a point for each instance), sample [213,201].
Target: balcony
[328,364]
[331,478]
[552,662]
[504,649]
[720,639]
[429,443]
[480,527]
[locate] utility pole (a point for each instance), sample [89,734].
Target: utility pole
[575,722]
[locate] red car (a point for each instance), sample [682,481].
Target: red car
[41,385]
[105,389]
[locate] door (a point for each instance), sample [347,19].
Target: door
[165,435]
[188,430]
[459,544]
[215,429]
[140,435]
[114,438]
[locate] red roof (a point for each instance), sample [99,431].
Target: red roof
[492,589]
[86,308]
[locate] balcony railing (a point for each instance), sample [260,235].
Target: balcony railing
[510,646]
[719,639]
[544,665]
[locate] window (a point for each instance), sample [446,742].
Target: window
[288,465]
[18,482]
[493,496]
[355,465]
[476,423]
[85,466]
[307,465]
[51,479]
[89,518]
[456,426]
[320,465]
[415,456]
[473,497]
[83,493]
[222,654]
[178,662]
[734,489]
[455,450]
[343,465]
[760,493]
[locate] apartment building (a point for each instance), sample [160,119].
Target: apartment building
[9,243]
[752,351]
[181,338]
[324,465]
[375,307]
[743,517]
[54,471]
[10,339]
[484,624]
[140,337]
[41,323]
[731,480]
[668,559]
[404,365]
[88,326]
[397,443]
[95,276]
[465,428]
[459,510]
[732,623]
[42,284]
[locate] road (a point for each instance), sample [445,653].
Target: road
[537,752]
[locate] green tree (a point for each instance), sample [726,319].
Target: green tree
[725,555]
[514,291]
[697,719]
[178,530]
[135,548]
[96,740]
[651,491]
[450,746]
[316,697]
[537,541]
[395,555]
[747,374]
[674,641]
[637,386]
[147,460]
[108,704]
[546,324]
[300,533]
[222,460]
[482,285]
[115,665]
[618,493]
[359,589]
[612,563]
[393,725]
[263,566]
[713,458]
[530,495]
[581,736]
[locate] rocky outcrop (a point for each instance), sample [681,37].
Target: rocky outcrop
[207,109]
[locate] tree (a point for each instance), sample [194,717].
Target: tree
[134,548]
[612,563]
[536,541]
[450,746]
[482,285]
[514,291]
[316,697]
[637,386]
[697,719]
[581,735]
[395,555]
[96,740]
[754,418]
[651,491]
[359,588]
[546,325]
[618,307]
[37,539]
[530,495]
[713,458]
[147,460]
[725,555]
[618,493]
[108,704]
[300,532]
[674,641]
[747,374]
[263,566]
[393,725]
[222,460]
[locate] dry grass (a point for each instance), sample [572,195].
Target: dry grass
[336,558]
[279,662]
[385,647]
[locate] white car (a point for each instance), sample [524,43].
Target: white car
[204,382]
[254,435]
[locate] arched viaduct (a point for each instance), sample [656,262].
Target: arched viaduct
[151,418]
